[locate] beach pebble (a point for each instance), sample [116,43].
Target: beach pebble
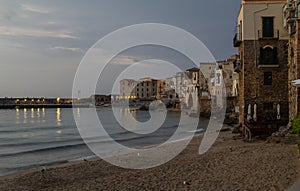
[43,169]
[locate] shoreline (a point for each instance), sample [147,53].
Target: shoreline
[84,158]
[229,164]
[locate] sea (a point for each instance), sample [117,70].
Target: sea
[37,138]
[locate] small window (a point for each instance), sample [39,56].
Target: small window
[147,89]
[267,78]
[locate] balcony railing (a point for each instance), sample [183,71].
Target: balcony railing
[268,34]
[237,40]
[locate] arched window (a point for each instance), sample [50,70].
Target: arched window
[268,55]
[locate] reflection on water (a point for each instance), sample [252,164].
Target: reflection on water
[43,112]
[17,115]
[58,115]
[25,115]
[32,115]
[39,115]
[78,113]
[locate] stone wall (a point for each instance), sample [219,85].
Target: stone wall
[252,88]
[294,71]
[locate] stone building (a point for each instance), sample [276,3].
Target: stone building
[207,70]
[145,89]
[292,24]
[150,89]
[127,89]
[230,77]
[263,71]
[101,99]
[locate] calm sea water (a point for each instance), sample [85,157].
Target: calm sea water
[31,138]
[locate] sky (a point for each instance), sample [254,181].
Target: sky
[43,42]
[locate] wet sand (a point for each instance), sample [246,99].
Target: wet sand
[229,165]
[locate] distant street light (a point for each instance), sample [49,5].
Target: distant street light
[57,100]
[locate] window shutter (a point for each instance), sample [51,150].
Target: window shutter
[261,56]
[275,58]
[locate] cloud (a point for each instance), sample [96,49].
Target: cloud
[18,31]
[36,9]
[66,49]
[11,44]
[6,15]
[51,23]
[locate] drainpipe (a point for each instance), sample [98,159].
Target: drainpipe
[255,41]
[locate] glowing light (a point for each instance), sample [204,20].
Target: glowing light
[32,113]
[58,115]
[25,115]
[57,100]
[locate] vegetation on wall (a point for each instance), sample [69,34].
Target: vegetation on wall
[296,127]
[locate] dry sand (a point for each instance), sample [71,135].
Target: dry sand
[229,165]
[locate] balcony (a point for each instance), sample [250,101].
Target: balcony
[237,40]
[274,34]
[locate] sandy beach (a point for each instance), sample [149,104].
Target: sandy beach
[231,164]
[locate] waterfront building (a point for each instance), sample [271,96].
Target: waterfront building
[262,43]
[148,89]
[128,89]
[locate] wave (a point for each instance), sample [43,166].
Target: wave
[42,150]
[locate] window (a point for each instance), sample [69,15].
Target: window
[268,55]
[147,89]
[268,106]
[267,78]
[268,26]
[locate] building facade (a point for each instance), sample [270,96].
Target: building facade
[150,89]
[292,25]
[263,69]
[127,89]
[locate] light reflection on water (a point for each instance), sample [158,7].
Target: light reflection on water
[25,115]
[17,115]
[39,115]
[58,117]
